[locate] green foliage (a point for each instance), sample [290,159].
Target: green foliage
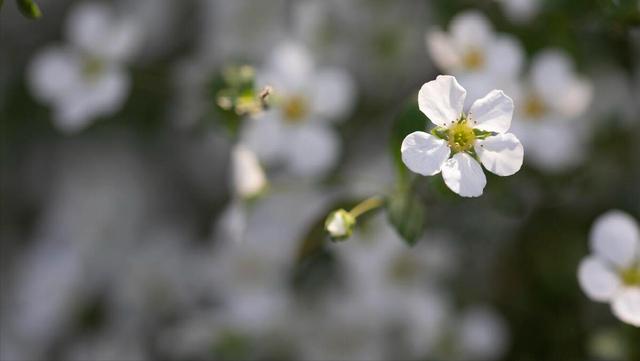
[28,8]
[407,214]
[233,96]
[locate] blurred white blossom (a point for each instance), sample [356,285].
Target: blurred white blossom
[86,78]
[471,51]
[298,132]
[477,137]
[612,273]
[520,11]
[482,334]
[551,106]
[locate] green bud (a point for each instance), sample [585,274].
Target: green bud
[29,9]
[340,224]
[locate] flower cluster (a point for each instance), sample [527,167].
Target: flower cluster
[550,99]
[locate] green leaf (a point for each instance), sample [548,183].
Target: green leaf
[29,9]
[407,214]
[409,120]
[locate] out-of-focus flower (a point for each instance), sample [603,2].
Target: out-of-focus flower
[148,284]
[85,79]
[248,178]
[297,131]
[472,52]
[550,104]
[520,11]
[250,277]
[479,136]
[612,273]
[482,334]
[248,181]
[49,282]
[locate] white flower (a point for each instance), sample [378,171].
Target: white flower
[85,79]
[479,136]
[248,178]
[612,273]
[297,132]
[520,11]
[476,55]
[549,104]
[482,334]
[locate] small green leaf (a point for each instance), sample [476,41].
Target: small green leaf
[406,213]
[29,9]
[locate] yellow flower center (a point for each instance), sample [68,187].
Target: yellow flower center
[631,276]
[534,107]
[295,109]
[461,136]
[92,67]
[473,59]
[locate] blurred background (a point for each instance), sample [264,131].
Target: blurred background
[146,216]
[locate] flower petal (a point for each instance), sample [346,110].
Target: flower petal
[598,281]
[505,58]
[551,144]
[551,72]
[96,29]
[463,175]
[423,153]
[471,29]
[614,237]
[626,306]
[312,149]
[92,98]
[521,11]
[556,82]
[442,100]
[482,333]
[247,176]
[266,136]
[333,93]
[443,50]
[576,99]
[53,73]
[292,64]
[492,113]
[87,25]
[501,154]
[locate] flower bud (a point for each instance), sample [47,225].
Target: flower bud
[340,224]
[248,177]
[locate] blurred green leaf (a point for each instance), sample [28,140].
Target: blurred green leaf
[29,9]
[232,345]
[228,118]
[406,213]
